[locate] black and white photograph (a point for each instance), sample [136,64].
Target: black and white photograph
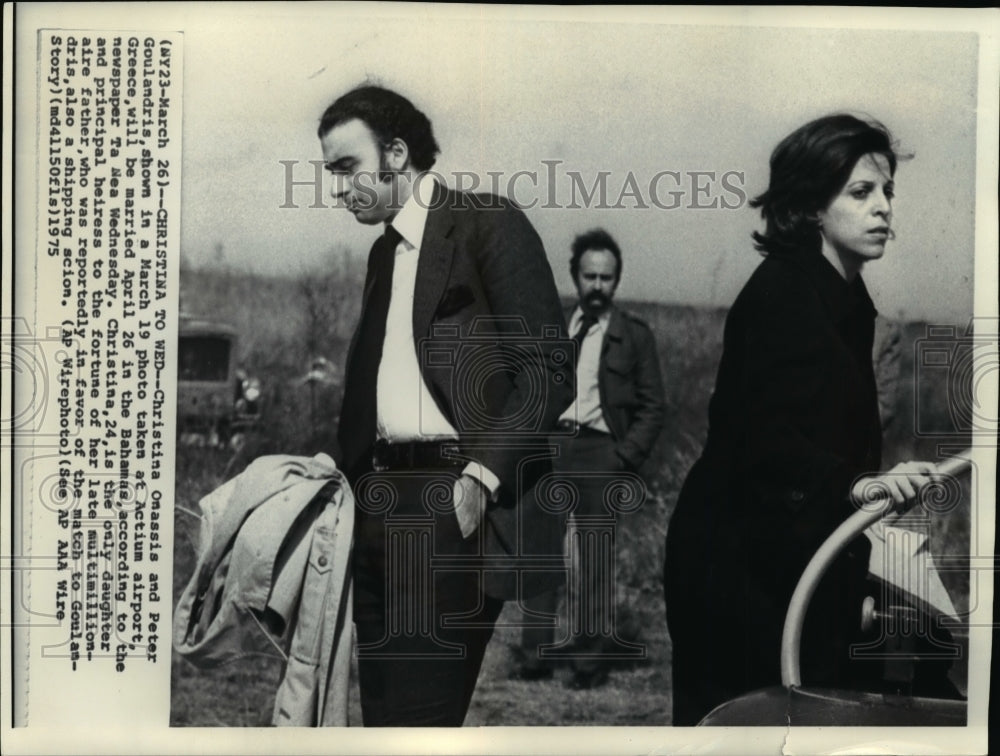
[624,374]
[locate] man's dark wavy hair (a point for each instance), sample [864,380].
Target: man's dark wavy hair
[389,115]
[809,168]
[596,238]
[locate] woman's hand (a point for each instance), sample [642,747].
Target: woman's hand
[902,483]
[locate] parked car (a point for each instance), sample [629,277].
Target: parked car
[214,396]
[921,651]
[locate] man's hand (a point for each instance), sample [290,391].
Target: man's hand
[470,504]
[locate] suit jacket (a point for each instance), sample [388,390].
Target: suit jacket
[792,422]
[492,349]
[630,386]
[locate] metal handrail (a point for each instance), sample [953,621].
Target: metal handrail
[851,528]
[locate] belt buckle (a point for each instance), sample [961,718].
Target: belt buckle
[380,450]
[413,454]
[449,453]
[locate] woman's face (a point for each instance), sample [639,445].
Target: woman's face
[856,223]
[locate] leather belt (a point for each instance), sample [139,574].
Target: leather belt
[572,426]
[387,455]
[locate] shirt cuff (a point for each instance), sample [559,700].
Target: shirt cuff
[485,476]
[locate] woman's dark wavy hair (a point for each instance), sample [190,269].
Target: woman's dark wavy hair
[809,167]
[389,115]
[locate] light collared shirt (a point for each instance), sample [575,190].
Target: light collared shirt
[586,407]
[405,408]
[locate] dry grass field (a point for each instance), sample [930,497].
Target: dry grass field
[285,323]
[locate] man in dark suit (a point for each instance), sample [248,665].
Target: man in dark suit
[613,425]
[457,372]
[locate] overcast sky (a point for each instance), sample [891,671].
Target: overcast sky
[506,92]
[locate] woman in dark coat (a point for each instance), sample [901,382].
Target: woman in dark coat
[793,429]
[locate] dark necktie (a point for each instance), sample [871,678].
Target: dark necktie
[358,416]
[586,323]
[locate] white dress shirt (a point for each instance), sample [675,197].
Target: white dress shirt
[586,406]
[406,411]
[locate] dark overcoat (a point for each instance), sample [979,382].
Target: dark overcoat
[793,421]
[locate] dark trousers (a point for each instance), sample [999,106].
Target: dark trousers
[725,661]
[422,619]
[589,464]
[726,627]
